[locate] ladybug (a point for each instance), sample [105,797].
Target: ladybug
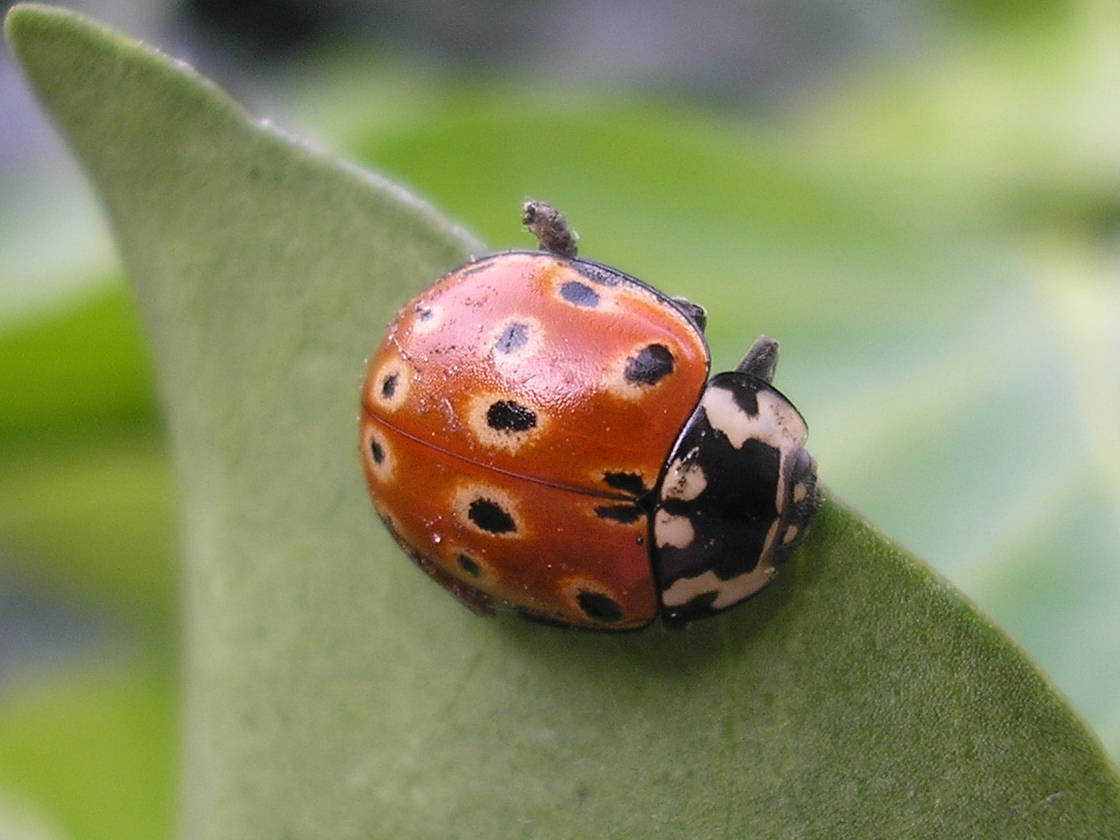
[539,430]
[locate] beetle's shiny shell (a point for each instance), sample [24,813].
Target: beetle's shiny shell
[515,419]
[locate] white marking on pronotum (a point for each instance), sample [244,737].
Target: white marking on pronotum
[683,482]
[771,538]
[777,423]
[672,530]
[729,592]
[725,415]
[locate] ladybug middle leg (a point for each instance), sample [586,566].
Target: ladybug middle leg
[550,227]
[761,360]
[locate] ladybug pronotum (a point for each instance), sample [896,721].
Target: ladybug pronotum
[539,430]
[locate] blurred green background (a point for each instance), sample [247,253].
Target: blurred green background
[922,204]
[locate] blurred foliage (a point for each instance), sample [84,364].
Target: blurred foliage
[79,375]
[93,749]
[935,241]
[85,488]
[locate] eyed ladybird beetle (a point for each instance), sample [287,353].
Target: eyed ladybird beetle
[539,430]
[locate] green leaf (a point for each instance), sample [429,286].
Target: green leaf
[334,692]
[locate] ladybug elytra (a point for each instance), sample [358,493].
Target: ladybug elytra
[539,430]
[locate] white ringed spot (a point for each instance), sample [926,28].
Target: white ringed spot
[504,421]
[389,386]
[426,317]
[591,599]
[488,510]
[641,370]
[470,567]
[378,455]
[514,342]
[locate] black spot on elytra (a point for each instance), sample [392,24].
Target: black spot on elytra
[626,482]
[469,566]
[376,451]
[513,337]
[424,313]
[599,607]
[491,517]
[507,415]
[579,294]
[389,386]
[620,513]
[652,363]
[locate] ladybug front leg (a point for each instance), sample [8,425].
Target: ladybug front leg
[695,312]
[761,360]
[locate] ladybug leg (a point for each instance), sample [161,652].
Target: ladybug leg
[550,227]
[761,360]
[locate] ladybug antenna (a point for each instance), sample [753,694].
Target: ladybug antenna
[550,227]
